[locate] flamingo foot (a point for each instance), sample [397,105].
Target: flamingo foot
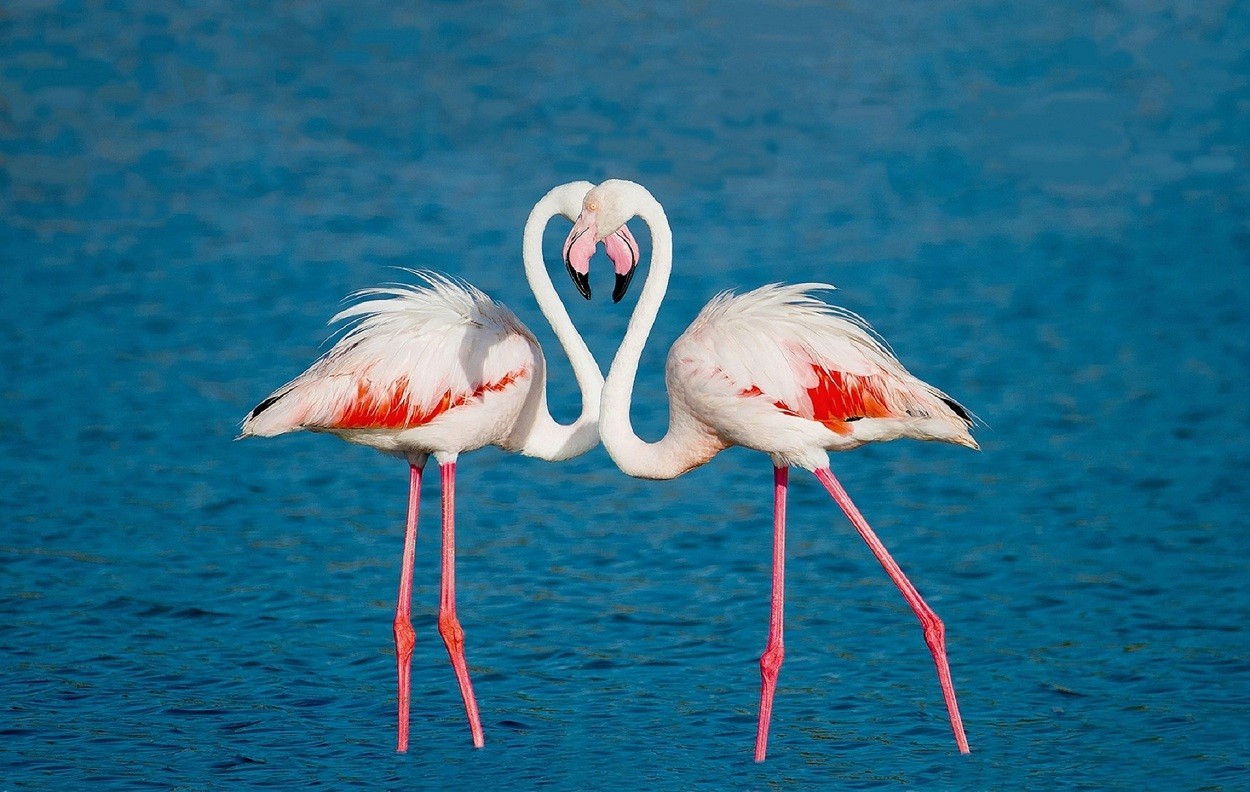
[935,638]
[448,623]
[405,638]
[770,667]
[934,630]
[775,651]
[453,637]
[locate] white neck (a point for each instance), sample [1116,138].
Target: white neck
[687,443]
[544,437]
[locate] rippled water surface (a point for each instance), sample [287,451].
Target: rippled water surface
[1044,208]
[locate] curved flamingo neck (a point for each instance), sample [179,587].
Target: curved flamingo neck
[686,444]
[544,437]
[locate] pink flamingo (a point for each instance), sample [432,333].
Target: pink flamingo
[443,369]
[777,370]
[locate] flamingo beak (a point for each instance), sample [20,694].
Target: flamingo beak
[622,249]
[580,280]
[578,249]
[620,245]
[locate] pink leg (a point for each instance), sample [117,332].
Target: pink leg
[934,630]
[775,652]
[404,636]
[448,624]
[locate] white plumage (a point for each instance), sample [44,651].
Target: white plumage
[758,369]
[441,369]
[434,368]
[777,370]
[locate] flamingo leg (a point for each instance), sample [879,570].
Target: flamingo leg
[934,630]
[448,624]
[775,651]
[404,635]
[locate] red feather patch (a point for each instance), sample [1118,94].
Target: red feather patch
[391,408]
[837,399]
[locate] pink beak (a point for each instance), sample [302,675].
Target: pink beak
[621,247]
[578,249]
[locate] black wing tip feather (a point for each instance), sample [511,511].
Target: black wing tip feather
[265,405]
[960,410]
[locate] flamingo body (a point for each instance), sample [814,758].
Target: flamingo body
[776,370]
[782,372]
[439,370]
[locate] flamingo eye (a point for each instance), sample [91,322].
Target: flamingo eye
[592,206]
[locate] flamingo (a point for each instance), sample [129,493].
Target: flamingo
[777,370]
[442,369]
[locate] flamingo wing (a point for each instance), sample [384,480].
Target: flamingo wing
[837,399]
[413,354]
[806,358]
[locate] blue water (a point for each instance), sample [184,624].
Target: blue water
[1043,207]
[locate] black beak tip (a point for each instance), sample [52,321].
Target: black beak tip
[622,286]
[582,282]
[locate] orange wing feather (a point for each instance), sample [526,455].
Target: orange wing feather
[391,407]
[838,398]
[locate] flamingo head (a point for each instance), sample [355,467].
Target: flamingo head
[604,214]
